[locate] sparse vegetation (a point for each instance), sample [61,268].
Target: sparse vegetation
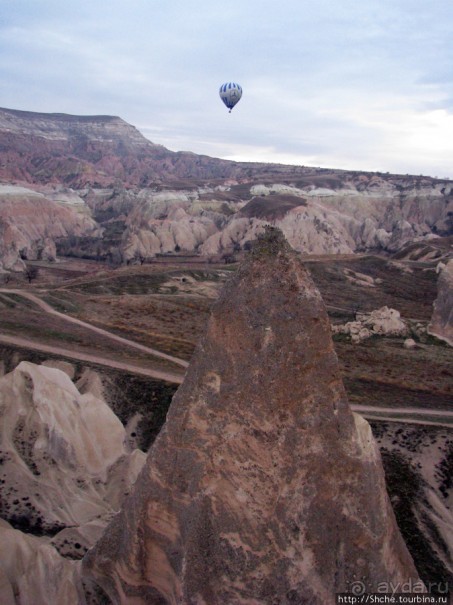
[165,306]
[31,273]
[405,488]
[62,302]
[149,398]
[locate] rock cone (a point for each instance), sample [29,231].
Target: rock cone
[63,462]
[262,487]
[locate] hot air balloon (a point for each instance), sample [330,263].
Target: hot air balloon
[230,93]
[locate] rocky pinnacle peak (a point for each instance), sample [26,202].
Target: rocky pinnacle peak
[262,487]
[271,242]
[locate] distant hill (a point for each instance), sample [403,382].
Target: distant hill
[102,190]
[102,151]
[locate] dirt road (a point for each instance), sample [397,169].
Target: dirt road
[410,415]
[370,412]
[133,369]
[130,343]
[403,411]
[425,416]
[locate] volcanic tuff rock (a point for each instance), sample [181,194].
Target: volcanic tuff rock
[417,461]
[442,320]
[33,573]
[64,460]
[65,468]
[361,213]
[30,223]
[380,322]
[150,200]
[262,487]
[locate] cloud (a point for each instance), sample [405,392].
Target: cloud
[360,85]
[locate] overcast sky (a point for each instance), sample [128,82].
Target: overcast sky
[354,84]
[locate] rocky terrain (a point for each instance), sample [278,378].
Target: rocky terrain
[383,321]
[139,241]
[240,500]
[417,461]
[57,447]
[166,305]
[65,468]
[31,222]
[442,320]
[95,151]
[145,200]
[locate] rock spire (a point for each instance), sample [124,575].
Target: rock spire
[262,487]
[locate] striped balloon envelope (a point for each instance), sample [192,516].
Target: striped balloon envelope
[230,93]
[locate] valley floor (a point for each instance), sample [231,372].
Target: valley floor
[150,318]
[137,328]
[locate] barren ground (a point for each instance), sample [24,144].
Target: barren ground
[165,305]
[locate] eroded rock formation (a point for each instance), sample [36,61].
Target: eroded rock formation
[100,151]
[442,320]
[32,572]
[380,322]
[64,470]
[30,223]
[149,200]
[359,214]
[63,454]
[262,487]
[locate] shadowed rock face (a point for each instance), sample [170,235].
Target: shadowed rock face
[30,224]
[442,320]
[263,487]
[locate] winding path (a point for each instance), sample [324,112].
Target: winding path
[111,363]
[130,343]
[402,411]
[409,415]
[434,417]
